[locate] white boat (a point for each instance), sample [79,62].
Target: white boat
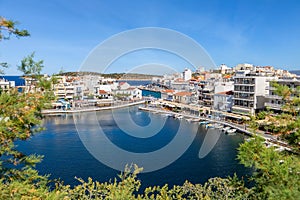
[204,122]
[218,126]
[225,129]
[179,116]
[167,115]
[231,131]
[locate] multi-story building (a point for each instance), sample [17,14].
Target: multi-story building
[275,102]
[6,85]
[187,74]
[223,101]
[206,93]
[249,92]
[67,88]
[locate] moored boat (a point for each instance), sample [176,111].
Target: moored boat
[231,131]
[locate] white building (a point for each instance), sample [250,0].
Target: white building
[275,102]
[6,85]
[249,92]
[187,74]
[223,101]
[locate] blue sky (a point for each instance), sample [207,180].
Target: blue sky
[64,32]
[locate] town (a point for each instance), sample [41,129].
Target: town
[237,92]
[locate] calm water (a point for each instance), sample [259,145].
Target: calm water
[18,80]
[66,156]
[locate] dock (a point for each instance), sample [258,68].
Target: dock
[239,128]
[89,109]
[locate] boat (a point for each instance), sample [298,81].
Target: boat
[178,116]
[204,122]
[209,126]
[218,126]
[231,131]
[168,115]
[225,129]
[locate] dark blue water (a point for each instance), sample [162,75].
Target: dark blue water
[66,156]
[18,80]
[146,93]
[137,82]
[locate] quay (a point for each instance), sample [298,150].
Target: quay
[89,109]
[239,128]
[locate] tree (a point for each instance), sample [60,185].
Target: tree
[276,175]
[8,28]
[20,118]
[286,124]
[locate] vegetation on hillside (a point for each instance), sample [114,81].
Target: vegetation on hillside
[275,175]
[111,75]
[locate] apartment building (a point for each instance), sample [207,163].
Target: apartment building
[6,85]
[206,92]
[273,101]
[223,101]
[250,91]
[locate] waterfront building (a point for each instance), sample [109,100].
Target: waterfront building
[206,92]
[183,97]
[275,102]
[167,94]
[68,87]
[5,85]
[250,91]
[223,101]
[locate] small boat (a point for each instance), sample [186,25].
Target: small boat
[209,126]
[218,126]
[168,115]
[225,129]
[178,116]
[231,131]
[204,122]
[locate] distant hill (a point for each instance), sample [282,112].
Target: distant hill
[123,76]
[296,72]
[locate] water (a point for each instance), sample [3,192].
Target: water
[154,94]
[137,82]
[66,156]
[19,81]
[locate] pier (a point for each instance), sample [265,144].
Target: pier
[89,109]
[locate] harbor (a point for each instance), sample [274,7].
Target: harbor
[241,128]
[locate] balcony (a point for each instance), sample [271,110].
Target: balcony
[273,106]
[274,97]
[244,98]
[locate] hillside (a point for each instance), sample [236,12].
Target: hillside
[123,76]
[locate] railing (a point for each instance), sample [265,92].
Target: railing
[273,105]
[273,96]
